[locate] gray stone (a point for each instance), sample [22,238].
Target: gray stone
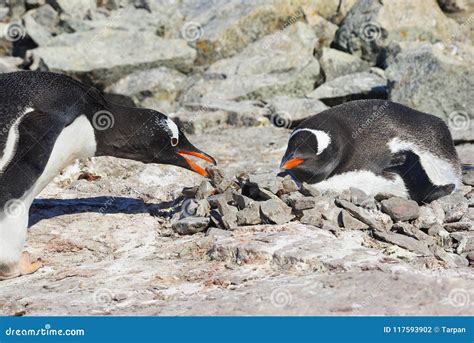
[453,205]
[335,63]
[241,200]
[465,241]
[332,10]
[441,236]
[79,9]
[303,203]
[349,222]
[372,25]
[9,64]
[400,209]
[288,185]
[360,214]
[290,198]
[281,64]
[249,215]
[427,218]
[238,25]
[468,176]
[312,217]
[325,30]
[83,52]
[452,260]
[358,197]
[205,190]
[267,180]
[286,111]
[383,196]
[458,226]
[276,211]
[421,76]
[405,242]
[350,87]
[189,192]
[228,213]
[40,22]
[218,178]
[309,190]
[410,230]
[191,225]
[452,6]
[216,232]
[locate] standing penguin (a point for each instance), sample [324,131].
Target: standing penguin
[49,120]
[376,146]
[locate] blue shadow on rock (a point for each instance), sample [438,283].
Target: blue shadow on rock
[49,208]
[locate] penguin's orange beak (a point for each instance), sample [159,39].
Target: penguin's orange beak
[194,167]
[292,163]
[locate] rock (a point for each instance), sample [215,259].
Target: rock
[79,9]
[371,25]
[470,258]
[241,200]
[237,25]
[9,64]
[458,226]
[468,176]
[453,205]
[249,215]
[410,230]
[358,197]
[309,190]
[190,225]
[218,179]
[325,31]
[332,10]
[205,190]
[419,77]
[452,6]
[312,217]
[400,209]
[303,203]
[276,211]
[83,52]
[441,236]
[287,112]
[360,214]
[349,222]
[40,24]
[266,180]
[335,63]
[465,241]
[427,218]
[452,260]
[291,198]
[281,64]
[189,192]
[355,86]
[382,196]
[193,207]
[216,232]
[288,185]
[228,213]
[405,242]
[157,87]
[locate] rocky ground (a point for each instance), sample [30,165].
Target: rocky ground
[120,237]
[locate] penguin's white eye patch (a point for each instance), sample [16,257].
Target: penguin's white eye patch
[322,137]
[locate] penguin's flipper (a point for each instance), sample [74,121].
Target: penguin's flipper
[35,139]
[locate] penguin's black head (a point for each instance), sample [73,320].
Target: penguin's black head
[147,136]
[310,156]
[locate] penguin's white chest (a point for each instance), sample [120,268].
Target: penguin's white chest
[75,141]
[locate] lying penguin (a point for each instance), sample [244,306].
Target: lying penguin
[377,146]
[49,120]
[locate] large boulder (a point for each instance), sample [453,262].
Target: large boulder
[364,85]
[105,55]
[431,80]
[40,24]
[335,63]
[372,25]
[281,63]
[238,24]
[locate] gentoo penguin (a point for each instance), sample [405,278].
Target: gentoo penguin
[47,121]
[377,146]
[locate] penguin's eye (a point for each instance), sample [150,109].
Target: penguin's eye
[174,141]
